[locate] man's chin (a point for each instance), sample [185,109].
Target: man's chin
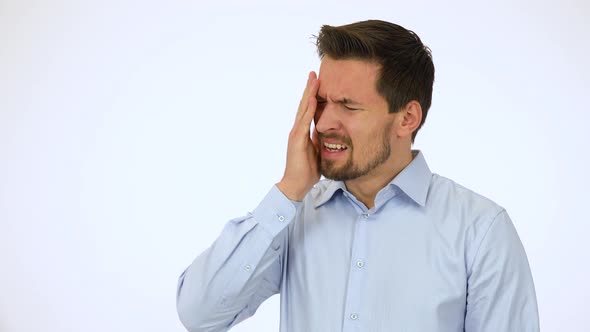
[337,170]
[335,174]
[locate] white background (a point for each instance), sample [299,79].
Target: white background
[131,131]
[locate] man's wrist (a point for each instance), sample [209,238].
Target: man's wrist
[289,192]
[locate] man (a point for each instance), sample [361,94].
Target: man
[382,244]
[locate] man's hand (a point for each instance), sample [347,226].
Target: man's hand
[302,170]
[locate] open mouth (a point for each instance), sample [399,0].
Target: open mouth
[335,147]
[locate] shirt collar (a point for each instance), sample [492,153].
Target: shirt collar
[413,180]
[331,189]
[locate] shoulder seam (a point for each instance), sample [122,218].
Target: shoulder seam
[494,219]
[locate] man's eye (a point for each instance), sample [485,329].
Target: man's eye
[350,108]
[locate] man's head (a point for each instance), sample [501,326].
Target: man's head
[406,68]
[371,73]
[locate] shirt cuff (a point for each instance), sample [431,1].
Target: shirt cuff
[275,211]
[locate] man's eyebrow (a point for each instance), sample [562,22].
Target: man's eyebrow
[346,101]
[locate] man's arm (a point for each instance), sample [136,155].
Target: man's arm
[229,281]
[500,290]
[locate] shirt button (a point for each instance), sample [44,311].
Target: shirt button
[248,267]
[360,263]
[281,218]
[354,316]
[366,215]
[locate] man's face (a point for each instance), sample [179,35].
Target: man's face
[352,120]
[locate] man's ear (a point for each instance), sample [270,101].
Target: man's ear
[409,118]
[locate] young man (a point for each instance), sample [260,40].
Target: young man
[382,244]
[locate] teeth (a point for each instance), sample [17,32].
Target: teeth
[335,146]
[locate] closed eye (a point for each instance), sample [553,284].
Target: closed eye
[321,103]
[351,109]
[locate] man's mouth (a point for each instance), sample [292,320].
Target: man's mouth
[335,147]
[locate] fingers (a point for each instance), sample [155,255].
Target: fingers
[306,93]
[312,104]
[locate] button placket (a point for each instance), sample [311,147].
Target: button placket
[357,275]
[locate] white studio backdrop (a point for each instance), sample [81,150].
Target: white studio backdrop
[131,131]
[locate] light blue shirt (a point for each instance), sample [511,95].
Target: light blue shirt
[431,255]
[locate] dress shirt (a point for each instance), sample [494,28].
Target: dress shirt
[430,255]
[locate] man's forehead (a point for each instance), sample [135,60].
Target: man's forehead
[350,65]
[350,79]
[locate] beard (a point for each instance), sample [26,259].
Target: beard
[351,169]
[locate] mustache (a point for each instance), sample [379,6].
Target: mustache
[345,139]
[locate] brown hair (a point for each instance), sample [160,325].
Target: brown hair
[407,71]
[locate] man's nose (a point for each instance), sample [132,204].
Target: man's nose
[326,118]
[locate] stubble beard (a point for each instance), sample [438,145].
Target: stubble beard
[351,170]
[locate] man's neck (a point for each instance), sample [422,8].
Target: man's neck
[365,188]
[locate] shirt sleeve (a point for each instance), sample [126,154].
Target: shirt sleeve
[500,290]
[243,267]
